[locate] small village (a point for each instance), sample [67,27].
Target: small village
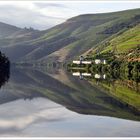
[83,61]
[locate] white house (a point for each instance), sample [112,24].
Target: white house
[76,62]
[97,61]
[81,62]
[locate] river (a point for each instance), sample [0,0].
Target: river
[42,102]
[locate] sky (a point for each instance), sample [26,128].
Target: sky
[46,14]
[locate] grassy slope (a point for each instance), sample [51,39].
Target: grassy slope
[126,41]
[125,45]
[73,37]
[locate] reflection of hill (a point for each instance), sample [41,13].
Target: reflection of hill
[76,95]
[122,86]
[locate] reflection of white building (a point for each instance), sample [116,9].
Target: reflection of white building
[83,74]
[98,76]
[104,76]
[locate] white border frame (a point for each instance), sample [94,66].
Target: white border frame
[72,138]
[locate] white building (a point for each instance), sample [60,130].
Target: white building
[81,62]
[97,61]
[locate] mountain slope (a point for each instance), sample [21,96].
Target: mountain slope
[11,35]
[77,35]
[7,30]
[126,41]
[124,46]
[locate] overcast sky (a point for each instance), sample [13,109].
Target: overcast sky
[45,14]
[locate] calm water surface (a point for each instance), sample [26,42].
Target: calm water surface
[42,102]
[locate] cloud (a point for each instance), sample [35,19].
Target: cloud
[46,14]
[25,113]
[25,16]
[34,14]
[46,5]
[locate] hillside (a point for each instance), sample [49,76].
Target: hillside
[7,30]
[11,35]
[77,35]
[124,46]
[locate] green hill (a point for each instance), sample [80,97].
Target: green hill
[126,41]
[125,45]
[72,38]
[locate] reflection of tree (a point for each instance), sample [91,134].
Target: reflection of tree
[4,69]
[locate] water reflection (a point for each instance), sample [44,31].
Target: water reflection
[37,95]
[125,88]
[130,80]
[61,87]
[83,75]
